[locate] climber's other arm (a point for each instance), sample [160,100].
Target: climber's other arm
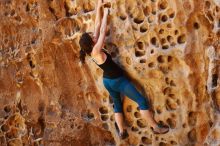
[100,42]
[97,21]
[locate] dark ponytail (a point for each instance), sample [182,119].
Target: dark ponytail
[86,44]
[82,56]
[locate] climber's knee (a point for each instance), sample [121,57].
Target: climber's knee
[118,108]
[143,103]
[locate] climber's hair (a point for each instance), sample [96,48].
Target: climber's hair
[86,44]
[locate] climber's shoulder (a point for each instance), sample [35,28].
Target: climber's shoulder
[100,57]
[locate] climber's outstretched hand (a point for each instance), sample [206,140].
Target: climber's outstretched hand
[106,5]
[100,3]
[98,20]
[100,42]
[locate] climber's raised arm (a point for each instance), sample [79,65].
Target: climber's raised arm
[98,20]
[100,42]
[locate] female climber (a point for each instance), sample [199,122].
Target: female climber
[113,78]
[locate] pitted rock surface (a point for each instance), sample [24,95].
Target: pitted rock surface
[169,50]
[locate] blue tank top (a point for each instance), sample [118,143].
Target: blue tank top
[110,68]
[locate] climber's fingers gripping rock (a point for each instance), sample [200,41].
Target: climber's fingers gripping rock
[106,5]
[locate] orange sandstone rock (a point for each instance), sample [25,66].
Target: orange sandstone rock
[169,49]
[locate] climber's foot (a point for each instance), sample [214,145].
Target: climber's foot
[124,134]
[160,129]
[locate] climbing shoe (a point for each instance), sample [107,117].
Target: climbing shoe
[123,135]
[160,129]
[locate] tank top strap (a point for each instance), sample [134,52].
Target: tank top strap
[94,60]
[105,51]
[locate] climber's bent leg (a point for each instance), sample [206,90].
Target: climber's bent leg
[123,85]
[117,104]
[115,96]
[128,89]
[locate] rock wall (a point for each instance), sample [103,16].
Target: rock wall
[168,48]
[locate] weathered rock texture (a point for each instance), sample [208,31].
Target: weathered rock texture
[168,48]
